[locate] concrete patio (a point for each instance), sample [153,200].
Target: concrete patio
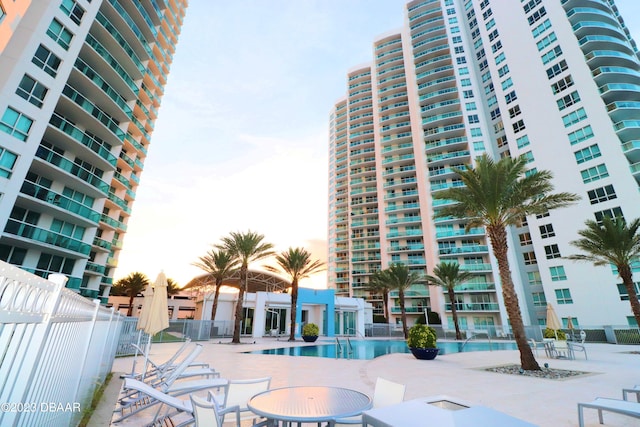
[544,402]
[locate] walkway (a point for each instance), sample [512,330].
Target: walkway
[547,403]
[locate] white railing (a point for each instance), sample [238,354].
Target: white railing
[56,348]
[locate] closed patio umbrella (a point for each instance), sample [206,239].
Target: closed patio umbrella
[157,318]
[570,323]
[552,320]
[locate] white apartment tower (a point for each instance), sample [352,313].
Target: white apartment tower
[80,89]
[555,81]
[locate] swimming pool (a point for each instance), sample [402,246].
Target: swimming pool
[370,349]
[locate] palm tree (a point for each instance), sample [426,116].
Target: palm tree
[378,284]
[172,287]
[131,286]
[497,195]
[220,265]
[448,275]
[612,242]
[297,263]
[246,247]
[399,277]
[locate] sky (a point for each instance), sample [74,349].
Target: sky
[241,139]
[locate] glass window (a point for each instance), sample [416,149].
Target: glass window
[547,231]
[32,90]
[523,141]
[568,100]
[595,173]
[60,34]
[580,135]
[611,213]
[551,55]
[539,300]
[73,10]
[525,239]
[574,117]
[534,278]
[7,162]
[46,60]
[552,251]
[587,154]
[601,194]
[562,84]
[16,124]
[563,296]
[557,273]
[518,126]
[546,41]
[529,258]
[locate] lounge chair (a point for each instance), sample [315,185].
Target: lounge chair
[238,393]
[535,344]
[133,402]
[160,370]
[631,409]
[149,397]
[207,412]
[634,390]
[385,393]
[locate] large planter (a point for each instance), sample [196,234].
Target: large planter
[424,353]
[309,338]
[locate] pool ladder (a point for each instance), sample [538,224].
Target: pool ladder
[339,348]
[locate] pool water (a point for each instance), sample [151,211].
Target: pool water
[370,349]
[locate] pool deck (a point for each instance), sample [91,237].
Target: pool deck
[543,402]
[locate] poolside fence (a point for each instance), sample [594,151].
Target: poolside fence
[57,347]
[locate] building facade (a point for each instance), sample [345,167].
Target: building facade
[80,89]
[557,82]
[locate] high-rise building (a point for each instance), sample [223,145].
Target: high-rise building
[80,89]
[557,82]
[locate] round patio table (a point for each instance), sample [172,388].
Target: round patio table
[309,404]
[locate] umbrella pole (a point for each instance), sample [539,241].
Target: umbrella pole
[133,368]
[146,358]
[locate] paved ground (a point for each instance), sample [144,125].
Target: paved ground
[544,402]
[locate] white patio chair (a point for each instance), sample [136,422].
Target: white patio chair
[535,344]
[207,412]
[578,346]
[601,404]
[385,393]
[238,393]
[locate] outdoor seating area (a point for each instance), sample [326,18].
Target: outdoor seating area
[386,391]
[603,404]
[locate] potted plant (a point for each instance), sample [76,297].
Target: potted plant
[422,342]
[310,332]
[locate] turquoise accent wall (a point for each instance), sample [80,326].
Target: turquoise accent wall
[324,297]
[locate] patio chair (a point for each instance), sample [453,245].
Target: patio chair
[385,393]
[238,393]
[578,346]
[207,412]
[623,407]
[535,344]
[634,390]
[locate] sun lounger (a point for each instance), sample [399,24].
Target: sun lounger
[153,397]
[631,409]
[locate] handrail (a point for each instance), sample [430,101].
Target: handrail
[474,335]
[338,348]
[350,350]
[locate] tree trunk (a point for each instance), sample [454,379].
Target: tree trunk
[239,308]
[627,278]
[385,306]
[454,312]
[498,237]
[403,314]
[294,308]
[216,294]
[130,310]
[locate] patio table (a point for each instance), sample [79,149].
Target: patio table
[308,404]
[441,411]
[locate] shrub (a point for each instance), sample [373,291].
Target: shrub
[550,333]
[310,330]
[422,336]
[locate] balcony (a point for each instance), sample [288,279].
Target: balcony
[463,250]
[59,200]
[480,306]
[41,235]
[68,166]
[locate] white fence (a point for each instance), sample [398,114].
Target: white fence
[56,348]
